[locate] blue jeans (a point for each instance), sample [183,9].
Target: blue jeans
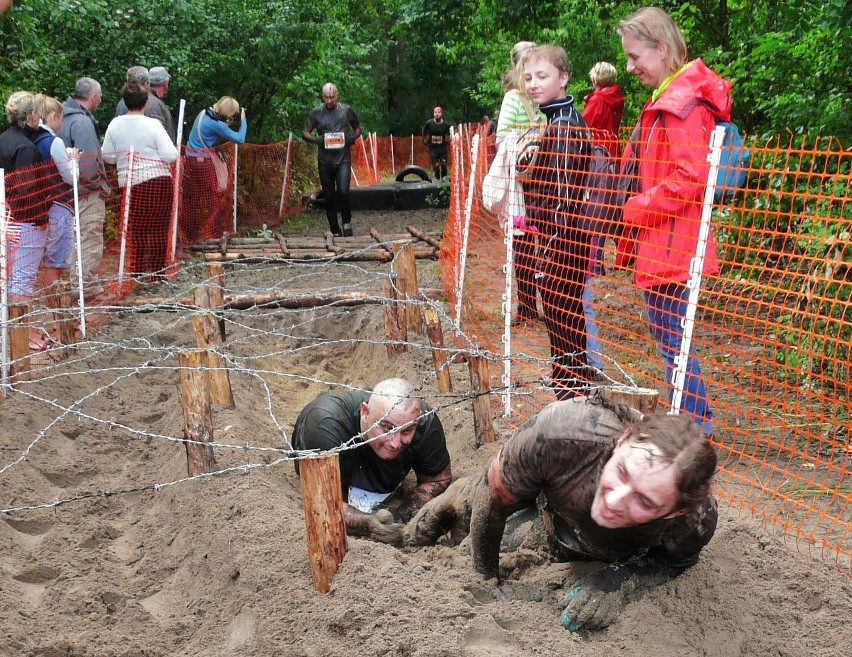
[593,342]
[666,306]
[334,180]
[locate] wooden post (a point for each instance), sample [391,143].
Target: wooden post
[643,400]
[439,354]
[406,268]
[395,331]
[482,428]
[208,336]
[321,496]
[64,317]
[216,277]
[197,414]
[19,342]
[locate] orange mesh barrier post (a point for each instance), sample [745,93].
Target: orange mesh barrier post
[769,353]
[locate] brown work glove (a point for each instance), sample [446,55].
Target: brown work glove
[449,513]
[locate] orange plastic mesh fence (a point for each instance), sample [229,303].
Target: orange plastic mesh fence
[772,326]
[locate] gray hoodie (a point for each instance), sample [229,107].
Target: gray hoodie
[80,130]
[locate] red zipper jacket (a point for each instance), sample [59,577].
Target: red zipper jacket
[602,111]
[673,143]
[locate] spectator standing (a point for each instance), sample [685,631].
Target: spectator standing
[159,80]
[151,184]
[554,197]
[517,113]
[662,218]
[224,121]
[337,127]
[26,202]
[58,184]
[134,74]
[80,130]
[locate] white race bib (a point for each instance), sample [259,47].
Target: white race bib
[334,140]
[366,500]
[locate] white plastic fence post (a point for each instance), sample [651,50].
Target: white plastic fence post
[4,277]
[696,267]
[468,211]
[125,219]
[178,183]
[78,240]
[236,170]
[286,179]
[508,268]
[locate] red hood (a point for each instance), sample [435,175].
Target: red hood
[611,96]
[696,84]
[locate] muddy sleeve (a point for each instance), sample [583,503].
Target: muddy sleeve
[687,536]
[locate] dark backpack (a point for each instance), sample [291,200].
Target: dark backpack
[599,207]
[731,175]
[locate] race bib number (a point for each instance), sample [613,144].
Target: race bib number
[437,139]
[334,140]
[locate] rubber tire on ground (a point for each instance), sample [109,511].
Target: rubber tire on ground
[413,170]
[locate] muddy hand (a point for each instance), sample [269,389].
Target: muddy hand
[384,529]
[595,601]
[449,513]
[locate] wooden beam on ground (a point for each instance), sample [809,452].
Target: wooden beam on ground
[419,234]
[271,300]
[197,413]
[326,530]
[439,354]
[480,386]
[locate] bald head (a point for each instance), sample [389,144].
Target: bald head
[329,95]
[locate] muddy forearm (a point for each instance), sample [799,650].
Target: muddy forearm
[487,522]
[422,493]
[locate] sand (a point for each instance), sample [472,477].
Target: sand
[128,559]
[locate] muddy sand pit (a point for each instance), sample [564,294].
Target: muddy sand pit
[112,553]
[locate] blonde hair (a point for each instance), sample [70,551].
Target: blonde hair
[513,78]
[555,55]
[46,105]
[226,107]
[19,106]
[603,74]
[654,26]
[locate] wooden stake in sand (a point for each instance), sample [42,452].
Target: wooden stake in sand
[323,502]
[406,269]
[19,343]
[439,354]
[395,329]
[643,400]
[209,336]
[64,317]
[197,414]
[216,276]
[482,428]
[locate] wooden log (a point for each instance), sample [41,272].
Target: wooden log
[326,530]
[64,317]
[483,429]
[216,277]
[283,299]
[346,256]
[395,331]
[439,354]
[19,342]
[643,400]
[197,413]
[406,270]
[376,235]
[419,234]
[209,337]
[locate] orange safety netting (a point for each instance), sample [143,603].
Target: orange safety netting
[771,331]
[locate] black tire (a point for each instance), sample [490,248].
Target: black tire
[413,170]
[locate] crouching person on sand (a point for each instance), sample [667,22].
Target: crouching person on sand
[381,437]
[611,486]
